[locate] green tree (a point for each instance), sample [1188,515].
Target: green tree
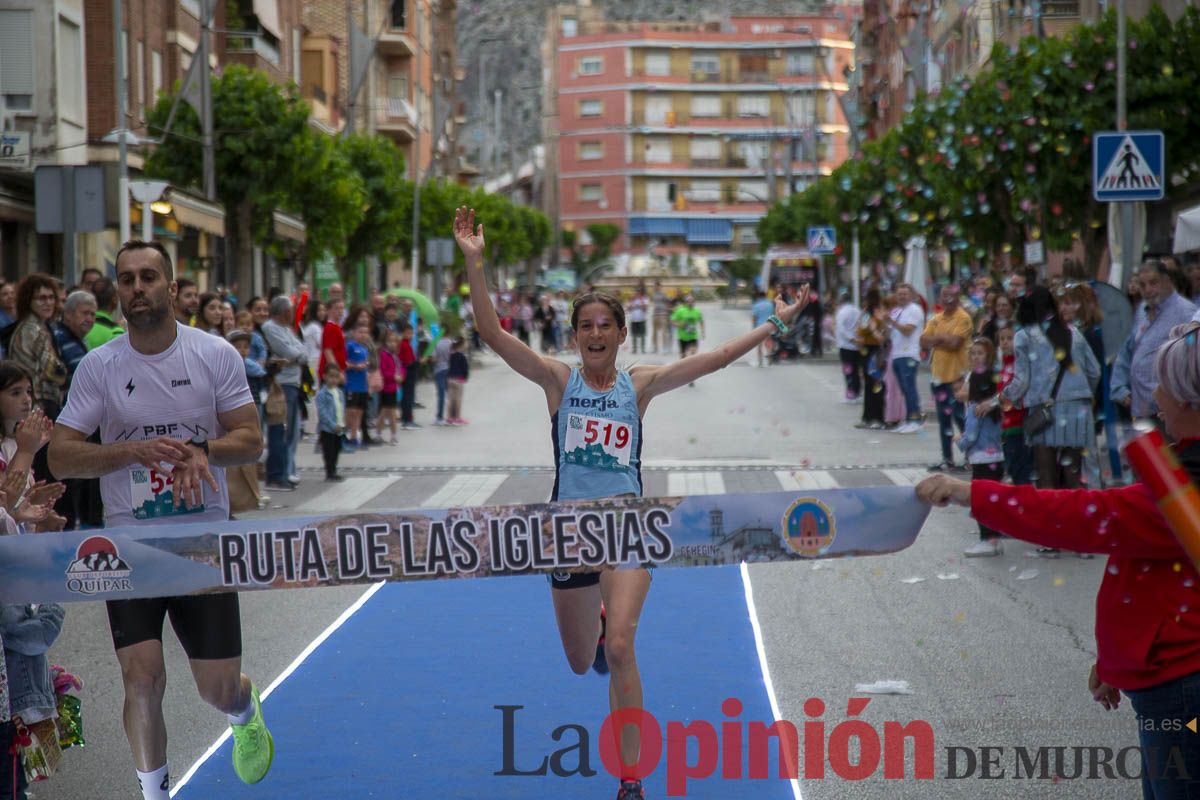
[386,220]
[329,195]
[602,234]
[258,129]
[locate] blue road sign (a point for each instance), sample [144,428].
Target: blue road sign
[822,240]
[1128,166]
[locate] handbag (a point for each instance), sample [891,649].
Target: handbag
[1041,416]
[276,404]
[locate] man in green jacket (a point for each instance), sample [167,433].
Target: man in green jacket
[105,328]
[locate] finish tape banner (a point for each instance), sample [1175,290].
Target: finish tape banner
[424,544]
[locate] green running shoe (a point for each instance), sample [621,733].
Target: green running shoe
[253,747]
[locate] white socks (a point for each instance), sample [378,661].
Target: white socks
[155,784]
[246,715]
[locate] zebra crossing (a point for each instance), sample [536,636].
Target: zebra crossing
[442,488]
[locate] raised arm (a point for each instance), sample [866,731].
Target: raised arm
[651,381]
[551,374]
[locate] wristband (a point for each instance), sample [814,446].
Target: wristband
[778,323]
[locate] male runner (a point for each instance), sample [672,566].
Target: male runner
[173,408]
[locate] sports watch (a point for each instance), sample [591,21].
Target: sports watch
[199,441]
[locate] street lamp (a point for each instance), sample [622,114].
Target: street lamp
[149,194]
[125,138]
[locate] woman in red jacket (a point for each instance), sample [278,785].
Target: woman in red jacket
[1148,605]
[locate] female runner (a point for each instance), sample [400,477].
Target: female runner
[582,401]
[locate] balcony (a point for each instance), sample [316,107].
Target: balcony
[1060,8]
[755,76]
[708,76]
[396,117]
[395,42]
[255,52]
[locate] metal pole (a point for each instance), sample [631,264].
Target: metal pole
[122,151]
[855,267]
[416,166]
[498,94]
[206,117]
[70,256]
[147,223]
[1125,209]
[350,101]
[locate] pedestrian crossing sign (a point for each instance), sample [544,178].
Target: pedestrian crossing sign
[1127,166]
[822,240]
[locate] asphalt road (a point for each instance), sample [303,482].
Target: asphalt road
[997,656]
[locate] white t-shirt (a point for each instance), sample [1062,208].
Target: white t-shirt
[908,346]
[638,306]
[846,327]
[177,393]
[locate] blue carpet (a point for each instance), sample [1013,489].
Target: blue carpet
[400,701]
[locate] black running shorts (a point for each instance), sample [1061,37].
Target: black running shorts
[209,626]
[572,580]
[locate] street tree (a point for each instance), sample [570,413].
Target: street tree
[258,127]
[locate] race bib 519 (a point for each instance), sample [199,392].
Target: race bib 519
[594,442]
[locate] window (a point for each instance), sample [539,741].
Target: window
[658,195]
[70,71]
[706,105]
[658,62]
[704,192]
[185,59]
[156,75]
[753,66]
[752,192]
[591,65]
[657,108]
[398,85]
[706,64]
[591,108]
[750,153]
[802,109]
[591,192]
[590,151]
[16,59]
[658,150]
[753,105]
[799,62]
[706,148]
[570,26]
[397,17]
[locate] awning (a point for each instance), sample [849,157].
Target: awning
[1187,231]
[657,226]
[267,12]
[289,227]
[193,212]
[709,231]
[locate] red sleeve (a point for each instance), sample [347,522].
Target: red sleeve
[406,353]
[335,340]
[1123,522]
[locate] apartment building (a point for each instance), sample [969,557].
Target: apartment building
[409,85]
[43,117]
[683,134]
